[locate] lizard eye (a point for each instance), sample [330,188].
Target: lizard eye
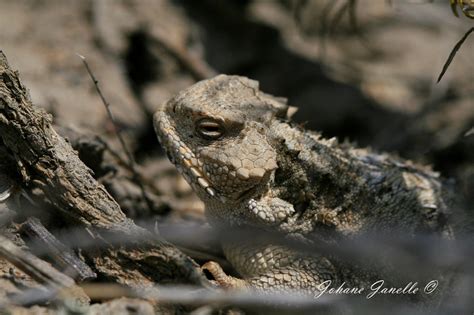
[209,128]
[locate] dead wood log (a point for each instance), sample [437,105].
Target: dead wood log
[47,162]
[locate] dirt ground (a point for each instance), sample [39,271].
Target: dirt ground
[372,82]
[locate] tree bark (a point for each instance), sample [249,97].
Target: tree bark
[47,162]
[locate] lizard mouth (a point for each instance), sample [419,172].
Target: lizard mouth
[246,194]
[181,156]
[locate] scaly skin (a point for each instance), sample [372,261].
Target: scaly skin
[252,168]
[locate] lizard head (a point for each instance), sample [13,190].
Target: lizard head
[216,133]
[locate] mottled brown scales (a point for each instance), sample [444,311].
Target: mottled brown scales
[254,169]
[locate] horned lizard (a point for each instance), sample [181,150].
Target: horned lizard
[253,168]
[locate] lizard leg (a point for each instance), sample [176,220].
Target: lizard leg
[270,210]
[276,267]
[221,278]
[286,279]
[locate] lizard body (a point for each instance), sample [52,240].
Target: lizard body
[253,168]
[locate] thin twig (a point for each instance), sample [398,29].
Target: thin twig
[453,53]
[326,10]
[338,16]
[298,8]
[353,15]
[197,67]
[131,159]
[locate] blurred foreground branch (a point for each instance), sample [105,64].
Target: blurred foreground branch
[41,271]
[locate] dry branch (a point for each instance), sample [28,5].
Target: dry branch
[41,271]
[33,266]
[60,255]
[47,162]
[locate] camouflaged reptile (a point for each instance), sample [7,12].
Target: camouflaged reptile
[253,168]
